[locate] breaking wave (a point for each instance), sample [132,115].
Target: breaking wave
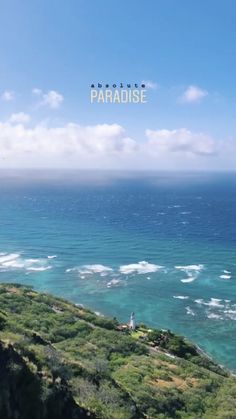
[218,309]
[14,261]
[113,283]
[189,311]
[188,268]
[139,268]
[181,297]
[213,302]
[192,272]
[226,274]
[91,269]
[189,279]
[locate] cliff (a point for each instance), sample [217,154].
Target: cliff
[58,360]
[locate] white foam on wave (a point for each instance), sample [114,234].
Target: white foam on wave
[142,267]
[39,265]
[189,311]
[224,276]
[113,282]
[189,279]
[52,256]
[4,258]
[91,269]
[15,264]
[214,316]
[192,271]
[199,301]
[95,269]
[181,297]
[230,314]
[39,268]
[213,302]
[230,311]
[13,261]
[104,273]
[218,309]
[186,268]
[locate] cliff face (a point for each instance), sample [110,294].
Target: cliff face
[23,395]
[60,361]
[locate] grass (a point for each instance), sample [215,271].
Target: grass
[112,373]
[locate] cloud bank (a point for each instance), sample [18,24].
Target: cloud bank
[180,141]
[107,146]
[19,118]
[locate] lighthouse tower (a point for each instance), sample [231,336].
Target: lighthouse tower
[132,324]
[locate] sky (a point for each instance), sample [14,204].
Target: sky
[52,51]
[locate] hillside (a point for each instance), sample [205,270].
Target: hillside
[62,361]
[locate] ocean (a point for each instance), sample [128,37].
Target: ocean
[159,244]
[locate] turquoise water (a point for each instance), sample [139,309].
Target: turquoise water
[161,245]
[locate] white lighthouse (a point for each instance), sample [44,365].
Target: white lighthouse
[132,324]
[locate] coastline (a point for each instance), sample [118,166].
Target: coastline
[105,371]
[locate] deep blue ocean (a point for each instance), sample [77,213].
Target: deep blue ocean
[161,245]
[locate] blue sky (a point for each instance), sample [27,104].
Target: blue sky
[186,48]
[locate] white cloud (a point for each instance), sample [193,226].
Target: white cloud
[150,84]
[107,146]
[52,98]
[19,118]
[193,94]
[180,141]
[8,95]
[37,91]
[66,146]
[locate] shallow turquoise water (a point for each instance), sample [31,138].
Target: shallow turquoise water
[160,245]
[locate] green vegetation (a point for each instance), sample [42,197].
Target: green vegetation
[56,357]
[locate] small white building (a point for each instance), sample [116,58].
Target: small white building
[132,323]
